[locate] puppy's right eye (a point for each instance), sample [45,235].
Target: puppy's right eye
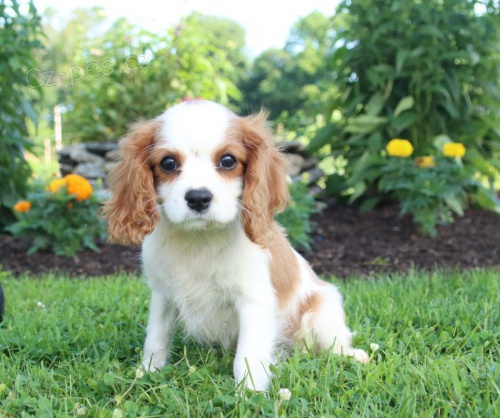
[168,164]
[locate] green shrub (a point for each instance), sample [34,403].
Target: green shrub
[63,217]
[417,70]
[18,33]
[128,73]
[296,217]
[432,188]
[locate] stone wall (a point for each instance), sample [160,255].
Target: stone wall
[94,160]
[91,160]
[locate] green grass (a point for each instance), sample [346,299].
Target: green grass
[76,355]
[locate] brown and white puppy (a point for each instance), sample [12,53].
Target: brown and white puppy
[199,186]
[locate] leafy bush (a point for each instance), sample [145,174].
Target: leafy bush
[62,217]
[419,70]
[296,217]
[429,187]
[126,73]
[18,41]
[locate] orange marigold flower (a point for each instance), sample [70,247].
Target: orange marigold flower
[22,206]
[78,186]
[55,185]
[399,148]
[426,161]
[453,149]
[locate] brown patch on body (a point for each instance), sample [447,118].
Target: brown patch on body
[296,329]
[284,267]
[311,304]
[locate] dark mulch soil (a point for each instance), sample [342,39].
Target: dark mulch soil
[346,243]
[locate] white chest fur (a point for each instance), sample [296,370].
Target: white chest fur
[204,275]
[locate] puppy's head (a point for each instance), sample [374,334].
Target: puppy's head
[203,167]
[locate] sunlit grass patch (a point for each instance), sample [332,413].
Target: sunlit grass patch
[71,347]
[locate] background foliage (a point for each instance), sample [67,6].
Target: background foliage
[415,70]
[19,38]
[345,85]
[111,77]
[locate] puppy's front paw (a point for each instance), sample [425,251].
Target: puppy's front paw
[257,380]
[154,361]
[359,355]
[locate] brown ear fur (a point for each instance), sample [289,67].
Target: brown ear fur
[266,190]
[131,211]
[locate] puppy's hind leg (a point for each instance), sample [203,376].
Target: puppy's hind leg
[323,324]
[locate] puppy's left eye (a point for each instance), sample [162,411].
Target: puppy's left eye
[228,162]
[168,164]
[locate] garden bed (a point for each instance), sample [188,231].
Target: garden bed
[346,243]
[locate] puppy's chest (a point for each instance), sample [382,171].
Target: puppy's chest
[208,313]
[205,294]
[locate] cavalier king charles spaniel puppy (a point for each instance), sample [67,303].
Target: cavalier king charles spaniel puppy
[199,187]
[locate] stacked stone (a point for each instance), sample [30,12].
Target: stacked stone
[94,160]
[302,166]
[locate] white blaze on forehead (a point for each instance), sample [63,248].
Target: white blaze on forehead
[195,127]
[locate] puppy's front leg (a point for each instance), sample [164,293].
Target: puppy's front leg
[160,332]
[256,343]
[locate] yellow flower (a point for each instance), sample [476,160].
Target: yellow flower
[453,149]
[22,206]
[426,161]
[56,184]
[78,186]
[399,148]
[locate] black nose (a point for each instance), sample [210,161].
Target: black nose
[199,199]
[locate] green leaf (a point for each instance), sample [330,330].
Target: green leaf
[487,199]
[403,122]
[481,163]
[404,104]
[335,184]
[455,205]
[375,105]
[29,111]
[369,203]
[375,141]
[109,379]
[359,189]
[401,56]
[365,124]
[323,137]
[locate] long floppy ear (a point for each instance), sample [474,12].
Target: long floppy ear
[265,190]
[131,211]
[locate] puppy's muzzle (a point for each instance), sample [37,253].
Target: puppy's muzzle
[199,199]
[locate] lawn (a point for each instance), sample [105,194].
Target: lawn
[71,347]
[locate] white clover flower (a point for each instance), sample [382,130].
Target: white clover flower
[81,411]
[117,413]
[374,347]
[139,373]
[285,394]
[40,305]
